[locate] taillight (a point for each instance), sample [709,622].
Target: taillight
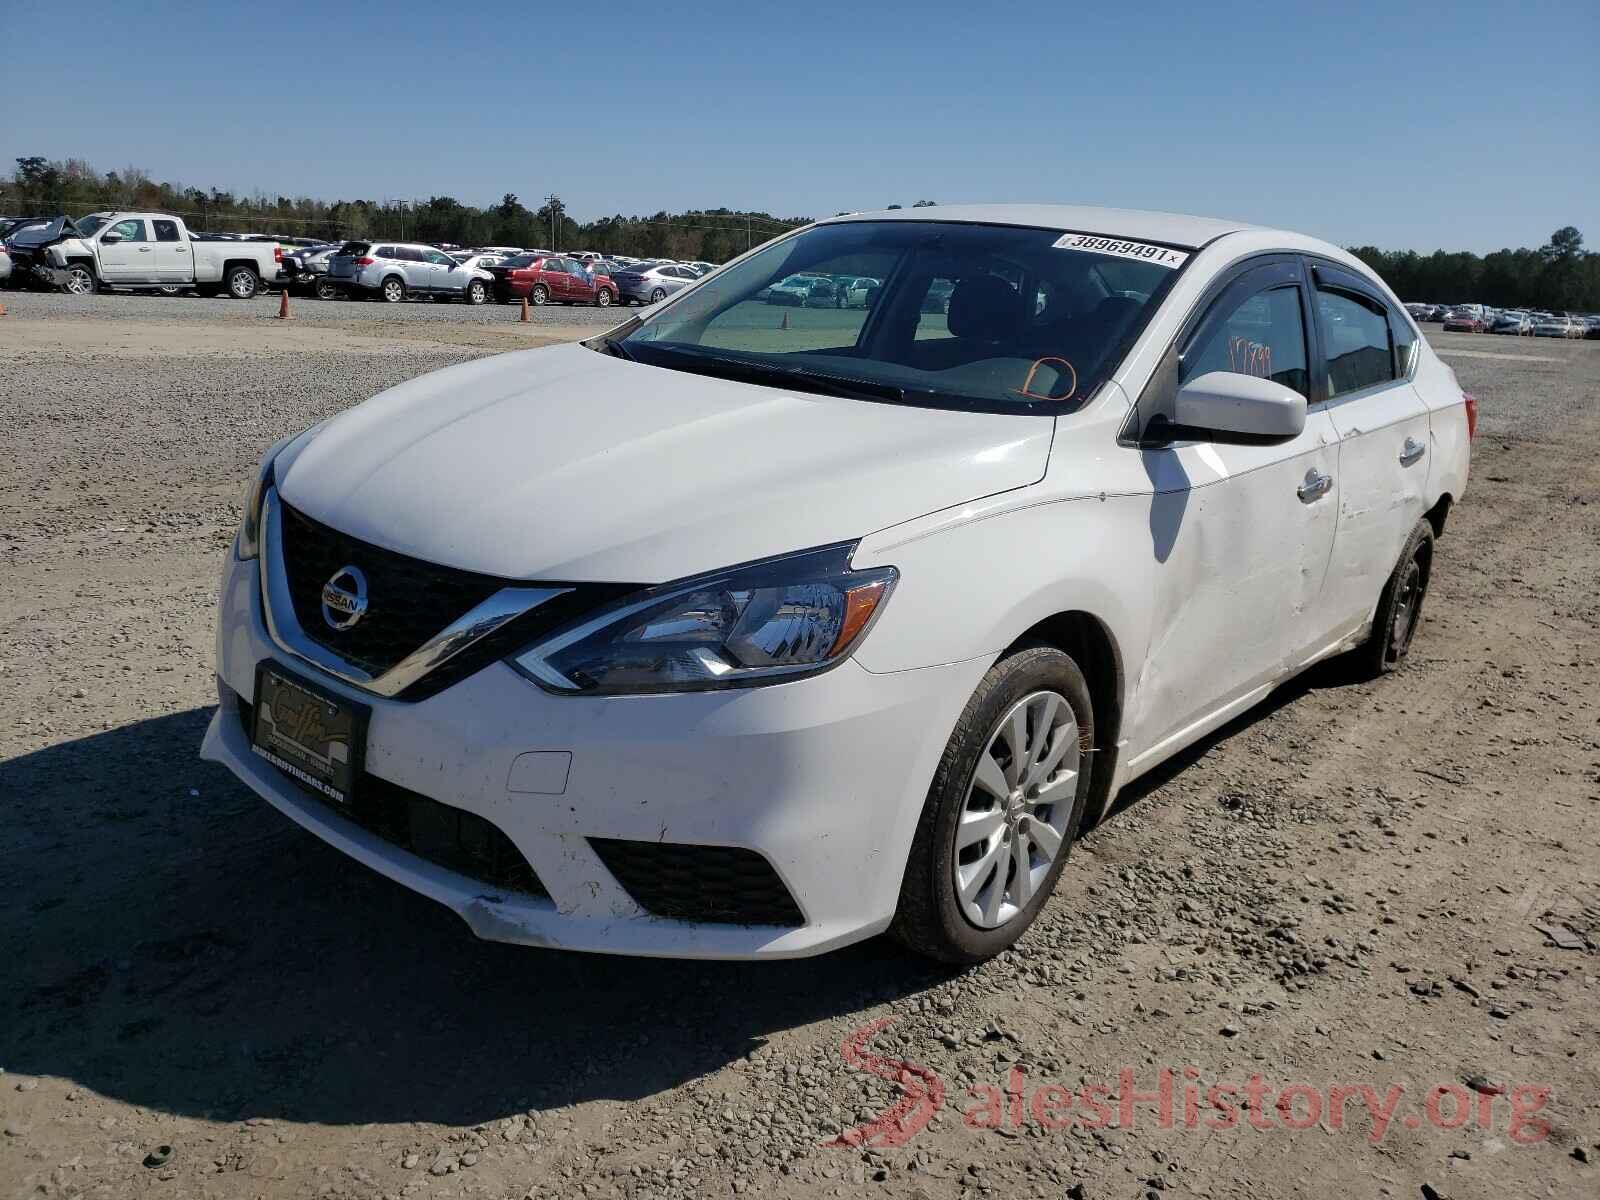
[1472,415]
[365,262]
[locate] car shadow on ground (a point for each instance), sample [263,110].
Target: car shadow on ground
[172,941]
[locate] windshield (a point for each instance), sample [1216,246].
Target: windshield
[993,317]
[87,226]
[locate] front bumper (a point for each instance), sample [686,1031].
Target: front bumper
[825,778]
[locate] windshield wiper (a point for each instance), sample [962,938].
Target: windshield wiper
[797,378]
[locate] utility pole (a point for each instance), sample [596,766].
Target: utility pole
[551,202]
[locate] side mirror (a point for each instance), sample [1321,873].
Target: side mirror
[1229,407]
[111,238]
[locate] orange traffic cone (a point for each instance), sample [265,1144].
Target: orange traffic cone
[785,323]
[524,310]
[2,310]
[283,305]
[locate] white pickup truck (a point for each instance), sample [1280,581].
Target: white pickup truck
[143,250]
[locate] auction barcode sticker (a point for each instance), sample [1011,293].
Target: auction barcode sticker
[1089,243]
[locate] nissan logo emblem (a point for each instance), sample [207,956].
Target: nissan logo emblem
[344,598]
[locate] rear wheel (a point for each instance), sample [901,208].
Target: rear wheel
[657,296]
[538,294]
[393,289]
[1003,809]
[603,298]
[326,290]
[1399,606]
[242,283]
[170,291]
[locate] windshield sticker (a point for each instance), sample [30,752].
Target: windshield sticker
[1161,256]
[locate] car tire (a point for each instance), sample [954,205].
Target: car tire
[658,295]
[602,298]
[326,290]
[169,292]
[477,293]
[1394,625]
[242,283]
[538,294]
[392,289]
[934,918]
[81,280]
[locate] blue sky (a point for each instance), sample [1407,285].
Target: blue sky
[1465,124]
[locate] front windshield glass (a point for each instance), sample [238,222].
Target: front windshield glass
[986,316]
[89,225]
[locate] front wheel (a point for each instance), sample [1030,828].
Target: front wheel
[1003,809]
[603,298]
[326,290]
[242,283]
[80,280]
[476,292]
[1399,606]
[393,290]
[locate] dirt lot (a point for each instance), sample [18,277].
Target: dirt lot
[1346,887]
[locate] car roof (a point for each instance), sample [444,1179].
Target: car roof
[1173,229]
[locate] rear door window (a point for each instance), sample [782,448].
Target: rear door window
[166,231]
[1355,340]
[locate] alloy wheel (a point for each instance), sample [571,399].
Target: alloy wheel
[80,282]
[1014,820]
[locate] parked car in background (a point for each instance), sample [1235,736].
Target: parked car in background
[702,268]
[394,271]
[551,279]
[794,289]
[650,285]
[1464,320]
[145,251]
[1513,322]
[306,269]
[677,635]
[1557,326]
[5,264]
[1593,331]
[858,292]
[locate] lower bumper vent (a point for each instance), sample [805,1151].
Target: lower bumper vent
[716,884]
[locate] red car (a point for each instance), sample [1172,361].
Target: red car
[551,279]
[1464,320]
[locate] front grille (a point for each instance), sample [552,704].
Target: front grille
[448,837]
[715,884]
[409,600]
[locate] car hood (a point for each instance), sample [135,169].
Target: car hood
[568,464]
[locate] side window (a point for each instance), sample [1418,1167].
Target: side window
[131,230]
[1263,334]
[166,231]
[1355,338]
[383,252]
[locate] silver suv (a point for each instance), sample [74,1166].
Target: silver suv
[395,270]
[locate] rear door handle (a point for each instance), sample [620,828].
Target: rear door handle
[1411,452]
[1315,487]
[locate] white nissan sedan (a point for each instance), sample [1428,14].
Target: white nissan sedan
[738,633]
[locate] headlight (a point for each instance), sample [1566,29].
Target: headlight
[763,623]
[247,544]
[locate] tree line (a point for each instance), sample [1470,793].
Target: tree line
[42,187]
[1559,275]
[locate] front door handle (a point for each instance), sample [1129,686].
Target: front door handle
[1315,487]
[1411,452]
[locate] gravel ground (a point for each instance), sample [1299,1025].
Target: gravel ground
[1343,887]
